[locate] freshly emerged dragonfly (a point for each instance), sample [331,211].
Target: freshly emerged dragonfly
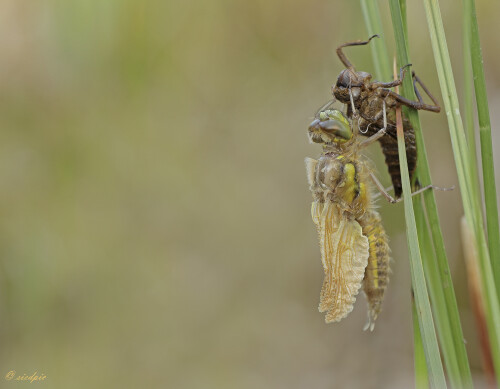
[373,105]
[354,245]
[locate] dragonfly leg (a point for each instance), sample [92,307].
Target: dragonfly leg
[394,83]
[392,200]
[419,81]
[342,56]
[381,189]
[410,103]
[377,195]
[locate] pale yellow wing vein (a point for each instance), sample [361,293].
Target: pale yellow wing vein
[344,253]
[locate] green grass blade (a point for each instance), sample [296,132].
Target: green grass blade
[402,6]
[436,266]
[421,374]
[462,159]
[424,313]
[448,315]
[439,308]
[378,47]
[490,193]
[468,103]
[447,322]
[468,108]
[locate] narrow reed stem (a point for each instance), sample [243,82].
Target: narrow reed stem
[461,152]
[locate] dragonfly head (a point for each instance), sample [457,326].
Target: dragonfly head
[330,127]
[350,82]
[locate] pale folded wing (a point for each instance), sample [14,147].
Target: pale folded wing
[344,253]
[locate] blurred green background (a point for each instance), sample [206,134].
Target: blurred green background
[155,217]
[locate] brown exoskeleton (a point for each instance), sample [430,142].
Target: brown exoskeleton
[373,104]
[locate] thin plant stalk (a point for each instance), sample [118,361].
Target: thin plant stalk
[440,284]
[437,272]
[475,292]
[424,313]
[431,269]
[423,306]
[461,152]
[378,47]
[421,373]
[490,193]
[380,57]
[468,100]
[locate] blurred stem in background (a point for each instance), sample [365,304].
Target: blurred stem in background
[476,297]
[490,194]
[473,51]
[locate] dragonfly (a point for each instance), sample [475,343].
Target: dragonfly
[354,246]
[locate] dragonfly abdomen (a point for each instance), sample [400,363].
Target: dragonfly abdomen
[377,271]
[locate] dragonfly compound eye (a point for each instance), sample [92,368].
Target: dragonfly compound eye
[330,126]
[344,80]
[350,79]
[314,131]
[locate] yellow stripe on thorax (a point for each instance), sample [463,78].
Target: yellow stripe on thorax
[351,186]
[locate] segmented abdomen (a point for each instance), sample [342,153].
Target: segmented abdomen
[389,144]
[377,271]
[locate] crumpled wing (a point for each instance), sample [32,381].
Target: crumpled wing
[344,253]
